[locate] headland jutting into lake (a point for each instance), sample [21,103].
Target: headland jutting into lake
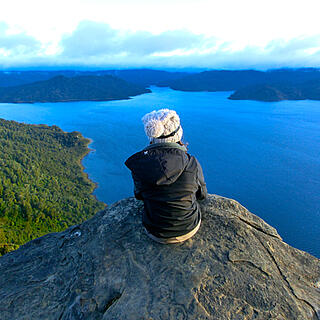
[43,188]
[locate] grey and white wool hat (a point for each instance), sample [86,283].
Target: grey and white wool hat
[162,126]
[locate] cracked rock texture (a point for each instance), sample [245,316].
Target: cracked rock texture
[235,267]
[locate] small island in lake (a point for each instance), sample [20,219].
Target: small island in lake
[78,88]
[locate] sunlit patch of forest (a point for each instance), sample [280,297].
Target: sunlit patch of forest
[42,185]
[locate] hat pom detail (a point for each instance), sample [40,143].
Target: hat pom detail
[154,128]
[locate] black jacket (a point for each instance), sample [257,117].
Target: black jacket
[169,181]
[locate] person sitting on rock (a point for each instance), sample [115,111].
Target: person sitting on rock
[168,180]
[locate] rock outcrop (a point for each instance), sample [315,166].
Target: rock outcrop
[235,267]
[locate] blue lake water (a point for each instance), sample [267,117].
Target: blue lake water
[264,155]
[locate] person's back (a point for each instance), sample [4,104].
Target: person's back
[168,180]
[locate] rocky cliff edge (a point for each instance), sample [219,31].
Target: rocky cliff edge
[235,267]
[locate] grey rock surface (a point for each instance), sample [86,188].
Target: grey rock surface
[235,267]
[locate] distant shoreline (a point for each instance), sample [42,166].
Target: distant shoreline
[69,100]
[75,89]
[86,175]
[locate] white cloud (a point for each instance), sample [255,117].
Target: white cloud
[17,44]
[245,22]
[97,44]
[99,39]
[207,33]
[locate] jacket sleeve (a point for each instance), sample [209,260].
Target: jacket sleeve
[137,188]
[202,192]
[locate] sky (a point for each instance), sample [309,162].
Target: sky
[205,34]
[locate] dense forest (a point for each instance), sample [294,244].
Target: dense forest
[42,185]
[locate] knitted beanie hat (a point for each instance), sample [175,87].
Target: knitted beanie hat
[162,126]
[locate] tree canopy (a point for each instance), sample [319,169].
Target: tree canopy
[42,184]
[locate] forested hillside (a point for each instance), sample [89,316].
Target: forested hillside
[279,91]
[42,186]
[229,80]
[78,88]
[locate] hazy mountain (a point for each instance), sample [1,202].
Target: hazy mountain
[279,91]
[147,77]
[227,80]
[78,88]
[272,85]
[143,77]
[17,78]
[217,80]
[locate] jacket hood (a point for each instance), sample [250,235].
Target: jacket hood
[159,163]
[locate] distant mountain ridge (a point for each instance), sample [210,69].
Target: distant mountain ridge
[143,77]
[217,80]
[147,77]
[229,80]
[279,91]
[17,78]
[271,85]
[78,88]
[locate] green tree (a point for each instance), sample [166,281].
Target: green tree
[42,185]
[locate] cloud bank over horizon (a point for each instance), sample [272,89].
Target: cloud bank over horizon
[98,45]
